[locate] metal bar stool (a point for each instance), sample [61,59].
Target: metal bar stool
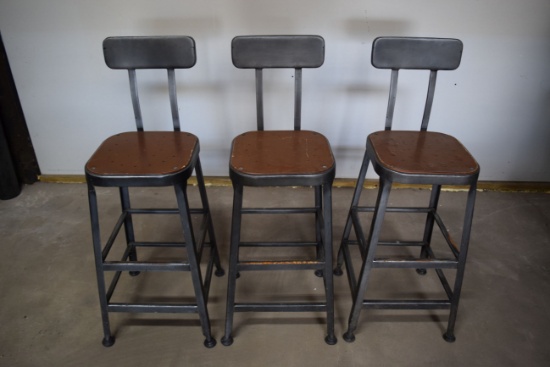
[151,159]
[411,157]
[281,158]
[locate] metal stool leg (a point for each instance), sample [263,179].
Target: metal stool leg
[376,226]
[128,226]
[428,228]
[319,226]
[183,205]
[211,235]
[328,278]
[108,339]
[468,217]
[227,339]
[343,252]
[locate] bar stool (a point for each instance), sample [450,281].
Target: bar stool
[410,157]
[281,158]
[151,159]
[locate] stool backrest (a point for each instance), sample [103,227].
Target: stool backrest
[415,53]
[151,52]
[274,52]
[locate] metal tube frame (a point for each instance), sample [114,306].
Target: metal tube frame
[407,56]
[129,262]
[427,259]
[322,265]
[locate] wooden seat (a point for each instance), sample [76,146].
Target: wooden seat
[151,159]
[147,154]
[421,153]
[270,153]
[281,158]
[410,157]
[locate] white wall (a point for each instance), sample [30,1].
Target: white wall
[496,103]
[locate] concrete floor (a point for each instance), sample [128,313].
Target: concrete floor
[49,313]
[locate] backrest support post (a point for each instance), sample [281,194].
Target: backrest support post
[260,99]
[135,99]
[392,98]
[429,100]
[173,98]
[297,99]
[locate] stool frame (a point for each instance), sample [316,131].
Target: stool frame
[162,52]
[297,52]
[397,53]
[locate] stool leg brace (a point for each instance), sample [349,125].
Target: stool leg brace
[129,261]
[368,248]
[323,265]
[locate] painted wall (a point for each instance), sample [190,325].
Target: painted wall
[497,103]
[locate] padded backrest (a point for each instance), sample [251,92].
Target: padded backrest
[150,52]
[271,52]
[258,52]
[416,53]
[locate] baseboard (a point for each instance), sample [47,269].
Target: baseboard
[510,186]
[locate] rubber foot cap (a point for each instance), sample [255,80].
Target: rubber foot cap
[227,341]
[349,337]
[108,342]
[210,343]
[449,338]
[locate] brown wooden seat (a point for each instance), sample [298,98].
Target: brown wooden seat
[422,153]
[281,158]
[410,157]
[147,154]
[151,159]
[281,153]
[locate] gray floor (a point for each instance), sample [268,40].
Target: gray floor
[49,314]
